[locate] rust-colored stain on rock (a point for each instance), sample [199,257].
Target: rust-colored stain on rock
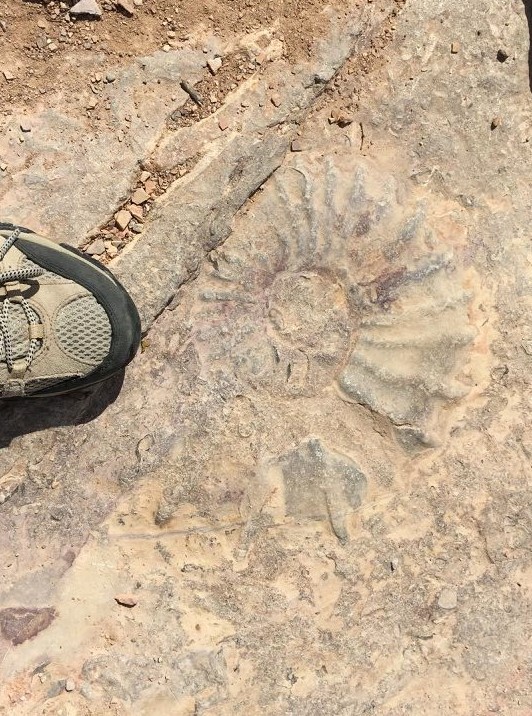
[18,624]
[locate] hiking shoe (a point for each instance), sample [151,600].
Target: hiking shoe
[65,321]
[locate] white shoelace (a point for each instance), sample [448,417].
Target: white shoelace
[6,303]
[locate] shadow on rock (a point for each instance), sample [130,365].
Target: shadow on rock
[528,11]
[23,416]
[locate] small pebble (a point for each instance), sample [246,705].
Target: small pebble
[496,122]
[145,176]
[3,167]
[25,127]
[110,77]
[502,55]
[8,75]
[223,124]
[296,145]
[214,64]
[86,7]
[455,48]
[126,600]
[276,100]
[70,685]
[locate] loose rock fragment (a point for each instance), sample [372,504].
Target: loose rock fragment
[276,100]
[8,75]
[502,55]
[97,248]
[455,48]
[140,196]
[496,122]
[126,600]
[126,7]
[86,7]
[214,64]
[136,211]
[150,186]
[70,685]
[122,219]
[25,127]
[296,145]
[223,124]
[145,176]
[341,118]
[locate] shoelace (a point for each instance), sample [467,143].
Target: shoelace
[16,275]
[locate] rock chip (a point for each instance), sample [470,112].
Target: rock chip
[140,196]
[97,248]
[150,185]
[126,600]
[70,685]
[86,7]
[502,55]
[214,64]
[122,219]
[136,211]
[126,7]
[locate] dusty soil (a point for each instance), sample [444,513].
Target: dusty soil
[46,50]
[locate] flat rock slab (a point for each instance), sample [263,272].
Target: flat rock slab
[312,482]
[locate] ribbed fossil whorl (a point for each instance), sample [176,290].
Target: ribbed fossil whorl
[341,277]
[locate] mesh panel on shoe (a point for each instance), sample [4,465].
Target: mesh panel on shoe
[83,330]
[48,276]
[32,386]
[19,332]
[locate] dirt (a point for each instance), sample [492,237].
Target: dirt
[116,38]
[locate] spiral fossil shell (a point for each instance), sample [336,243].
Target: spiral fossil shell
[342,278]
